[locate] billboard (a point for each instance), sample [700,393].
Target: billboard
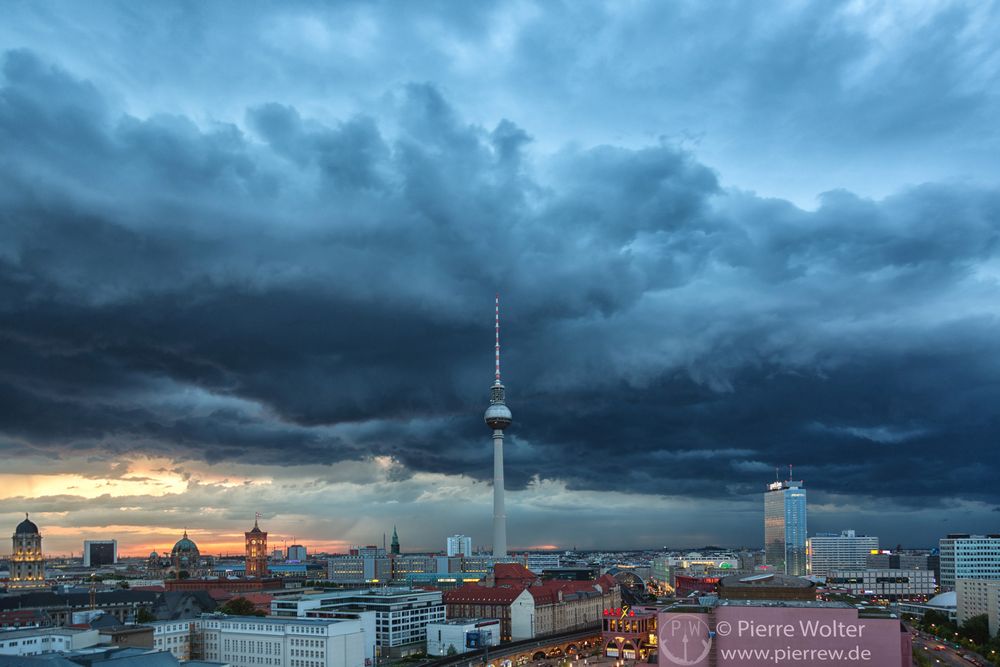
[788,636]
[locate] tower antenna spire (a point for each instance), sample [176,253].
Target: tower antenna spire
[789,472]
[497,346]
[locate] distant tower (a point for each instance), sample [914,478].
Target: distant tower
[394,547]
[27,567]
[498,418]
[256,550]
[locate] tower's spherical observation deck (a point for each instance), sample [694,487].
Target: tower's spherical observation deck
[497,416]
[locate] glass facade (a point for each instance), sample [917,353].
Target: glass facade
[785,527]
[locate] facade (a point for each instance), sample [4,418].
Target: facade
[785,527]
[978,596]
[965,556]
[888,584]
[459,545]
[98,553]
[527,606]
[36,641]
[381,568]
[297,552]
[539,563]
[401,614]
[174,636]
[27,565]
[498,417]
[60,607]
[629,633]
[256,551]
[687,585]
[461,635]
[252,641]
[659,575]
[844,551]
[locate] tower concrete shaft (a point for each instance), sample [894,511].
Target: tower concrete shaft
[499,513]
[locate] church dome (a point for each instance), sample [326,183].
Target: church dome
[26,527]
[184,546]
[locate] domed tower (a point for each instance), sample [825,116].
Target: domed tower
[185,556]
[27,567]
[498,418]
[256,550]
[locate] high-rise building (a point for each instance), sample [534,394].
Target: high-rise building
[965,556]
[974,597]
[27,566]
[459,545]
[256,551]
[844,551]
[498,417]
[785,527]
[297,553]
[97,553]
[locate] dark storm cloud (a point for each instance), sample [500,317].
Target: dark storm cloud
[288,290]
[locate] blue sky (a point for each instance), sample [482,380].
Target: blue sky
[248,257]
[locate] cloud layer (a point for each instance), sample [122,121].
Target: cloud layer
[279,285]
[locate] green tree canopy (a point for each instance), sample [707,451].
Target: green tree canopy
[240,607]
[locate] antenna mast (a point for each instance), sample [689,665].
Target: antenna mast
[497,346]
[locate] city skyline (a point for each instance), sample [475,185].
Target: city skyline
[247,264]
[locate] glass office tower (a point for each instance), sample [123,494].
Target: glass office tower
[785,527]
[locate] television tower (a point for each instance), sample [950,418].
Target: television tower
[498,418]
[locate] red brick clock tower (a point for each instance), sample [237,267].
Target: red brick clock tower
[256,551]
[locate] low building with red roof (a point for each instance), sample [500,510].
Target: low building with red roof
[528,607]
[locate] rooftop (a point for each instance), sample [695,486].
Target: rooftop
[33,632]
[765,580]
[467,621]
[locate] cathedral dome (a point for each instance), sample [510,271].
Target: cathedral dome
[26,527]
[185,547]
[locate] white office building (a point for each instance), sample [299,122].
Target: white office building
[462,635]
[890,584]
[968,557]
[459,545]
[174,636]
[36,641]
[979,596]
[838,551]
[253,641]
[539,562]
[401,614]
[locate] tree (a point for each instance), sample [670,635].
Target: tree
[240,607]
[452,650]
[144,616]
[977,629]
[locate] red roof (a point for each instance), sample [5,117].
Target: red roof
[473,594]
[513,574]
